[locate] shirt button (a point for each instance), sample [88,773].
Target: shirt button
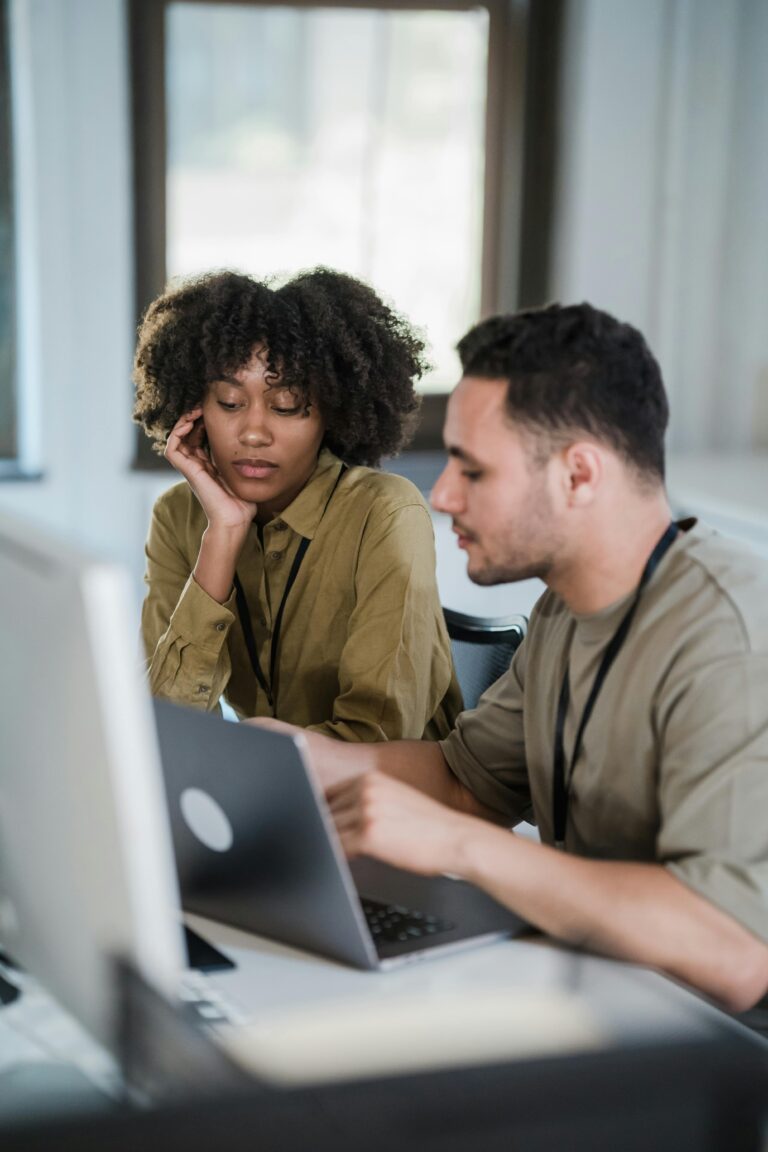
[275,555]
[263,621]
[202,689]
[220,627]
[280,526]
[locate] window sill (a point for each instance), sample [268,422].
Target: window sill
[13,471]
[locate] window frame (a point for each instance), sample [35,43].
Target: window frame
[9,398]
[520,149]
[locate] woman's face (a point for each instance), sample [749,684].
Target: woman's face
[263,438]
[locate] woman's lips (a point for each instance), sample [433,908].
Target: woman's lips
[254,469]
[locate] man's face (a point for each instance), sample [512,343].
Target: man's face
[496,491]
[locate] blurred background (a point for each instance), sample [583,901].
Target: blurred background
[464,160]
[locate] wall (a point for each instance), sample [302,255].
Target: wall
[662,202]
[75,272]
[661,218]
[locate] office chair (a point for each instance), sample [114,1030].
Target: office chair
[483,647]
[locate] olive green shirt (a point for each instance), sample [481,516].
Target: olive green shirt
[363,653]
[673,765]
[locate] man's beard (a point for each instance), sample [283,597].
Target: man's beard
[510,573]
[537,537]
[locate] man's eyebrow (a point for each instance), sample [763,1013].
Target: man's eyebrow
[460,454]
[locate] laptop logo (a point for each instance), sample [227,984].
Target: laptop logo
[206,819]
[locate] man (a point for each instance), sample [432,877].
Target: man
[633,722]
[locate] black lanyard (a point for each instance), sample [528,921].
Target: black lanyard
[245,615]
[560,783]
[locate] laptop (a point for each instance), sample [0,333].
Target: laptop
[256,848]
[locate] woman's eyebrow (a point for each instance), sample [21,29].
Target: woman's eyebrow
[224,379]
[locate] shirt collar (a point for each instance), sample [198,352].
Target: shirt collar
[597,627]
[304,513]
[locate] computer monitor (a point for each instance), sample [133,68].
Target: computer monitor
[86,861]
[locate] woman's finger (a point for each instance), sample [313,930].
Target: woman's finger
[175,441]
[192,415]
[184,425]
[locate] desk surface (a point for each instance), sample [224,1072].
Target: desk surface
[272,985]
[628,1001]
[557,999]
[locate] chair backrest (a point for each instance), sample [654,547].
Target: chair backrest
[483,647]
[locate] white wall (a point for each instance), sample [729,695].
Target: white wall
[662,202]
[662,219]
[75,271]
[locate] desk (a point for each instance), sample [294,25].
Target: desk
[628,1004]
[49,1064]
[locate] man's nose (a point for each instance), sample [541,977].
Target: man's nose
[445,495]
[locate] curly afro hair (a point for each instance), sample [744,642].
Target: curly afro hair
[331,337]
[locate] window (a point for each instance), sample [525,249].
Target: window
[305,136]
[8,420]
[386,141]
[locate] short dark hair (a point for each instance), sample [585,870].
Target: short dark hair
[576,368]
[332,338]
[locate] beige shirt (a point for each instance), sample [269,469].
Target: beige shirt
[674,760]
[363,652]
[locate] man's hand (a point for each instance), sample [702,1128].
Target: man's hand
[632,911]
[378,816]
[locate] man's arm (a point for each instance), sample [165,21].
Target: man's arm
[636,912]
[419,763]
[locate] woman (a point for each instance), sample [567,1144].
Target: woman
[285,573]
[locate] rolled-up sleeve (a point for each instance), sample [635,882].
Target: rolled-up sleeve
[184,630]
[486,749]
[713,788]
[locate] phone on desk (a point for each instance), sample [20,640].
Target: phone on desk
[202,955]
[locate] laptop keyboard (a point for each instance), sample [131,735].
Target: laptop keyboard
[392,924]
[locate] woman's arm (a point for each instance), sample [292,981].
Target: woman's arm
[183,629]
[189,609]
[229,518]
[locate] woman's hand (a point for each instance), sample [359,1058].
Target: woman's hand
[330,761]
[185,450]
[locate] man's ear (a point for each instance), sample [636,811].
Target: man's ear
[583,470]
